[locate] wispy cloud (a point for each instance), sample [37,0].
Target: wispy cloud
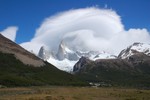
[10,32]
[86,29]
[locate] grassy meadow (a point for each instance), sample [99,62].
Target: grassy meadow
[73,93]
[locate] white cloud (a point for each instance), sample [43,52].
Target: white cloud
[10,32]
[126,38]
[86,29]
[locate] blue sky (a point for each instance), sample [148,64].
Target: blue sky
[28,15]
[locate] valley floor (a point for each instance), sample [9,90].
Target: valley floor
[73,93]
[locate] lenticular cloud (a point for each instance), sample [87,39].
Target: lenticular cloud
[86,29]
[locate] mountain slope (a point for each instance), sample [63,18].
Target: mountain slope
[15,71]
[7,46]
[133,49]
[66,58]
[134,71]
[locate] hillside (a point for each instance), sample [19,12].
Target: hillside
[8,46]
[16,71]
[134,71]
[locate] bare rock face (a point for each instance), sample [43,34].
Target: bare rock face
[81,63]
[44,54]
[65,53]
[8,46]
[61,51]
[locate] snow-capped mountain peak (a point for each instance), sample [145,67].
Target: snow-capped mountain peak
[64,48]
[133,49]
[65,58]
[61,51]
[103,55]
[65,53]
[44,53]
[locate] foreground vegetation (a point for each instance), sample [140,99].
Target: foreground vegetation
[73,93]
[14,73]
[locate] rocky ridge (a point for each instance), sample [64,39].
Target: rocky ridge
[8,46]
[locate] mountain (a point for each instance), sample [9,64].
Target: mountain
[65,53]
[66,58]
[103,55]
[19,67]
[81,63]
[135,48]
[132,71]
[7,46]
[44,54]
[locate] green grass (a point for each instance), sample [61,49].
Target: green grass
[15,73]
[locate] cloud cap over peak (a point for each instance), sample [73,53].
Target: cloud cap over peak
[86,29]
